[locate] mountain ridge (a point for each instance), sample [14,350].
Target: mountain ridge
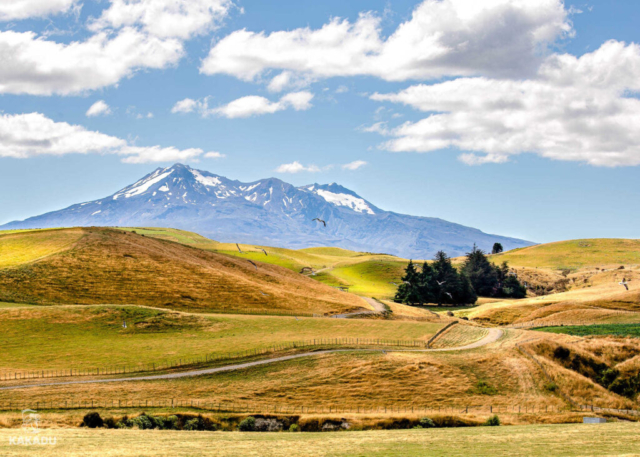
[268,212]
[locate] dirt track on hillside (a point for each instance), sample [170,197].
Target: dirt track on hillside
[493,336]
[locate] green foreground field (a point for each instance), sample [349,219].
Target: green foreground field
[537,440]
[619,330]
[89,337]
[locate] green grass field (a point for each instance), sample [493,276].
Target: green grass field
[574,254]
[86,337]
[536,440]
[621,330]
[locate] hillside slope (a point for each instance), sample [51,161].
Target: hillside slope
[117,267]
[268,212]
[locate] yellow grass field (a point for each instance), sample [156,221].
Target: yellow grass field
[538,440]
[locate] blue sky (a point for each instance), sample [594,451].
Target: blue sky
[445,137]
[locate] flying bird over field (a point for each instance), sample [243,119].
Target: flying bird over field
[441,283]
[320,220]
[265,252]
[624,283]
[253,265]
[450,296]
[239,250]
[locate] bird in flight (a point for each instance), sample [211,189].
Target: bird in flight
[296,317]
[624,283]
[384,352]
[124,324]
[239,250]
[266,295]
[265,252]
[441,283]
[320,220]
[391,282]
[253,265]
[406,282]
[450,296]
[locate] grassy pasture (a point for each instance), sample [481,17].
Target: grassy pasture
[366,273]
[346,379]
[534,440]
[24,246]
[89,337]
[574,254]
[109,266]
[618,330]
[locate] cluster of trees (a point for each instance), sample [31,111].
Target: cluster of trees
[440,282]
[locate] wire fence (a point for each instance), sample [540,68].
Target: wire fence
[318,343]
[593,409]
[253,408]
[585,323]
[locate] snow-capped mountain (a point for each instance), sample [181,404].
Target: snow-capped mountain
[268,212]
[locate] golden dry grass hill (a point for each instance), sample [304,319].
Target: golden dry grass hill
[108,266]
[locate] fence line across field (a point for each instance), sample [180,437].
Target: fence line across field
[248,408]
[570,324]
[346,343]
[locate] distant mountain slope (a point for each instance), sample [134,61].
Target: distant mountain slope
[107,266]
[269,212]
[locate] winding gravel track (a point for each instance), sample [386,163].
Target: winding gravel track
[493,336]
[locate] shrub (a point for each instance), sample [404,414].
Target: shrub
[93,420]
[247,425]
[170,423]
[294,428]
[143,422]
[561,353]
[192,424]
[493,421]
[485,389]
[425,422]
[551,386]
[110,422]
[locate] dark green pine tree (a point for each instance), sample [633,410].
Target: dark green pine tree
[447,279]
[408,291]
[482,274]
[427,285]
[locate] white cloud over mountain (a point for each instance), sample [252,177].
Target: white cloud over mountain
[576,109]
[30,135]
[251,105]
[442,38]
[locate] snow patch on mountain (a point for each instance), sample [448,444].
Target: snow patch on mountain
[142,186]
[356,204]
[208,181]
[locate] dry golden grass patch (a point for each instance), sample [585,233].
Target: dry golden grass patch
[112,266]
[459,335]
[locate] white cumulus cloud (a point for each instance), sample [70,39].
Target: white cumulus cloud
[33,65]
[251,105]
[354,165]
[297,167]
[99,108]
[24,136]
[164,18]
[11,10]
[575,109]
[442,38]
